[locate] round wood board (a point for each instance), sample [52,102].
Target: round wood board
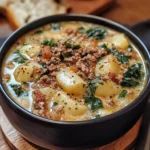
[16,141]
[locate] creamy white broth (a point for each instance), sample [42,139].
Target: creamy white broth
[74,71]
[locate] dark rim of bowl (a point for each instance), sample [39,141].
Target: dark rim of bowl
[84,18]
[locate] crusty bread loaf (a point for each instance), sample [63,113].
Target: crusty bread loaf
[20,12]
[2,5]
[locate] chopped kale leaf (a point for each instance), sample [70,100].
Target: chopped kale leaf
[123,94]
[71,45]
[132,76]
[120,56]
[96,33]
[17,89]
[129,82]
[105,47]
[20,58]
[94,102]
[81,30]
[92,84]
[51,43]
[55,104]
[134,71]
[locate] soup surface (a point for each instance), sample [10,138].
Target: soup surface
[73,71]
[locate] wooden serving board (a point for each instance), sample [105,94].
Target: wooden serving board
[88,6]
[15,141]
[75,6]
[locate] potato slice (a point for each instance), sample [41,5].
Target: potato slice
[70,26]
[29,51]
[27,72]
[71,107]
[53,35]
[48,92]
[120,41]
[23,73]
[71,82]
[106,89]
[107,65]
[104,112]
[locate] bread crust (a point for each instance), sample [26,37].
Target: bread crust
[13,18]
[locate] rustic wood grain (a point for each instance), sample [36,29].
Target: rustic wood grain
[78,6]
[15,140]
[3,144]
[129,11]
[88,6]
[12,136]
[123,11]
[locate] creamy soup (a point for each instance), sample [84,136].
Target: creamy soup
[73,71]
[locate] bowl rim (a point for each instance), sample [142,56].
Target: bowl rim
[77,17]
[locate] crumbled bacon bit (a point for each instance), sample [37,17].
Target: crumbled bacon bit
[46,53]
[112,76]
[39,97]
[74,68]
[39,103]
[44,81]
[70,31]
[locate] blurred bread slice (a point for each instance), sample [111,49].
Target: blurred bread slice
[20,12]
[3,4]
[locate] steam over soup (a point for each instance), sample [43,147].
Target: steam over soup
[73,71]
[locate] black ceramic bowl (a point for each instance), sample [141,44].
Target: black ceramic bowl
[80,134]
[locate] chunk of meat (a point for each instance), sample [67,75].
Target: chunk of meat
[39,103]
[113,77]
[38,96]
[46,53]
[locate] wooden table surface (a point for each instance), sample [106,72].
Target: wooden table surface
[124,11]
[127,12]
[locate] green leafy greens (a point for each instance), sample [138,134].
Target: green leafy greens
[96,33]
[20,58]
[55,104]
[123,94]
[69,44]
[51,43]
[132,76]
[17,89]
[94,102]
[120,56]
